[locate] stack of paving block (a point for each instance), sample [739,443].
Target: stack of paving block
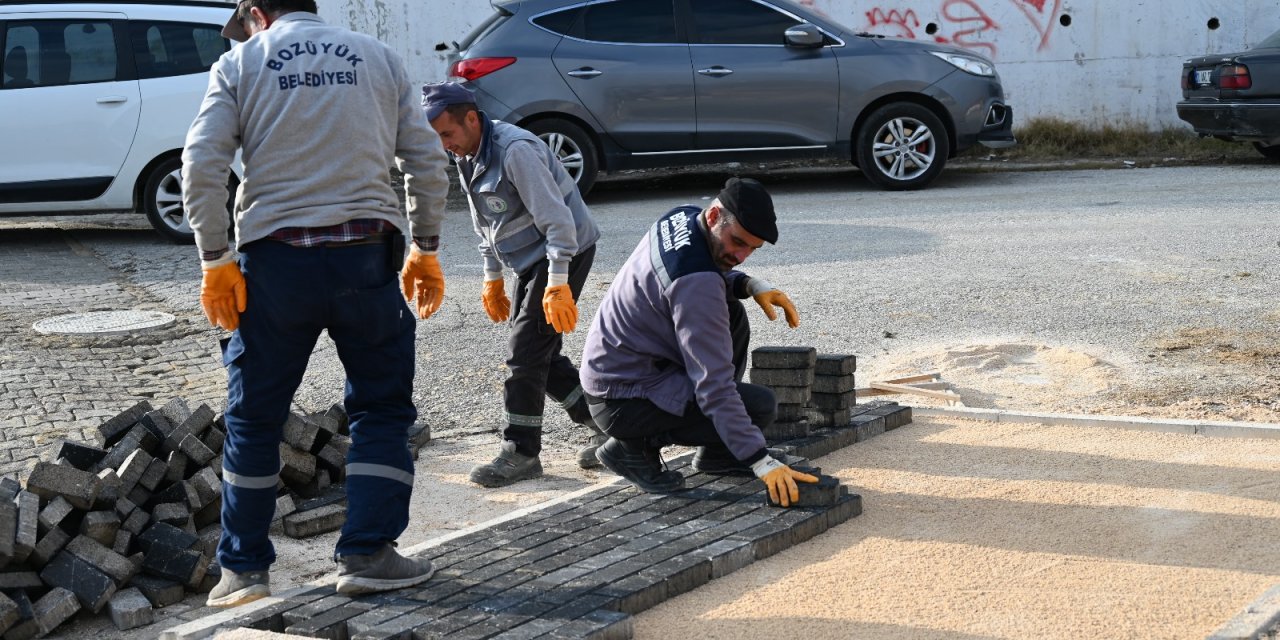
[789,372]
[833,393]
[133,521]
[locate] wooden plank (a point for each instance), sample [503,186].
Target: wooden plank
[949,396]
[924,377]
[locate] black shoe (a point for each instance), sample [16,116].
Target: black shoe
[717,461]
[508,468]
[641,468]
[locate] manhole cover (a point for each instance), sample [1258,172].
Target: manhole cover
[105,322]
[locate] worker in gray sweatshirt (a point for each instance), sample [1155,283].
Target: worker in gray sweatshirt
[531,219]
[319,113]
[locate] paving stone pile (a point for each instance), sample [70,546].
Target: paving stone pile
[789,372]
[131,522]
[578,567]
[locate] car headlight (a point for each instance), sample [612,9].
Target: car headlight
[968,64]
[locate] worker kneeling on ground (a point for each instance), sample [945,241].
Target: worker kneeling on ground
[664,358]
[531,219]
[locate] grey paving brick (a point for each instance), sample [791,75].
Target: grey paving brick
[158,591]
[158,424]
[300,432]
[25,627]
[847,507]
[136,522]
[207,484]
[597,625]
[822,493]
[832,401]
[791,412]
[792,395]
[333,495]
[114,429]
[198,420]
[174,513]
[834,384]
[8,531]
[766,538]
[154,474]
[175,466]
[835,364]
[9,489]
[304,524]
[835,418]
[49,545]
[92,587]
[108,490]
[296,467]
[773,357]
[867,426]
[208,514]
[81,455]
[115,565]
[26,526]
[271,617]
[129,609]
[49,480]
[9,612]
[12,580]
[214,439]
[782,431]
[782,377]
[329,624]
[194,449]
[55,608]
[535,628]
[132,469]
[180,565]
[313,609]
[167,535]
[285,505]
[339,415]
[446,627]
[139,437]
[101,526]
[177,411]
[384,613]
[123,542]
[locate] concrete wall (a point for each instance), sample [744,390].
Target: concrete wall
[1089,61]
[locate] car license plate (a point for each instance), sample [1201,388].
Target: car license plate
[1202,76]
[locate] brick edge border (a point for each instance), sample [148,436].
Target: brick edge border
[1188,427]
[1255,620]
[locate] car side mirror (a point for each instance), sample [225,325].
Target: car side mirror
[804,36]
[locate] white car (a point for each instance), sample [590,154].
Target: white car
[96,99]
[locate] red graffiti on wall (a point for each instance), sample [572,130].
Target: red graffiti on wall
[970,20]
[905,22]
[1041,20]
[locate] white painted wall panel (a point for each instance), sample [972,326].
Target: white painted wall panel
[1117,61]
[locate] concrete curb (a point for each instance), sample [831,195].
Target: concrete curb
[1189,427]
[1256,619]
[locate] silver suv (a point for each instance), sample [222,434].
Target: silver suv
[620,84]
[96,101]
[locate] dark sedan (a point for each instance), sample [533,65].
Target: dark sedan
[1236,96]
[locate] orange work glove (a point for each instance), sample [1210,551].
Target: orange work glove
[423,279]
[558,307]
[495,300]
[780,480]
[768,296]
[222,294]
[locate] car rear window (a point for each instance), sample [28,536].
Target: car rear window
[47,53]
[738,22]
[162,49]
[484,28]
[630,21]
[559,22]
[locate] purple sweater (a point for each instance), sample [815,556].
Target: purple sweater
[662,332]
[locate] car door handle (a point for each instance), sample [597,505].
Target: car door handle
[112,99]
[716,71]
[585,72]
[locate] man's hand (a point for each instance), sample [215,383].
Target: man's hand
[495,300]
[423,279]
[780,480]
[559,308]
[222,294]
[768,296]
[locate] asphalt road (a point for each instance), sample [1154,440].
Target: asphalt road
[1113,264]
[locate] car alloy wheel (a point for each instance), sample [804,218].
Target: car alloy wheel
[162,201]
[573,146]
[902,145]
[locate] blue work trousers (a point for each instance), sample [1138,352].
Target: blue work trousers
[294,293]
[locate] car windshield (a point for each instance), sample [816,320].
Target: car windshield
[1272,42]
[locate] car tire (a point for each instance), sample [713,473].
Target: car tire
[573,146]
[901,146]
[162,202]
[1270,152]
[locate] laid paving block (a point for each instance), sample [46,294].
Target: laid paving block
[867,426]
[81,455]
[27,531]
[102,558]
[49,480]
[184,566]
[791,412]
[55,608]
[305,524]
[824,493]
[832,401]
[9,612]
[92,587]
[285,505]
[836,418]
[114,429]
[130,609]
[193,448]
[783,357]
[300,433]
[791,395]
[8,531]
[49,546]
[172,513]
[780,431]
[101,526]
[158,591]
[296,467]
[834,384]
[835,364]
[167,535]
[13,580]
[782,377]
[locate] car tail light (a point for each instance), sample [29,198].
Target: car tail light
[478,67]
[1186,78]
[1235,76]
